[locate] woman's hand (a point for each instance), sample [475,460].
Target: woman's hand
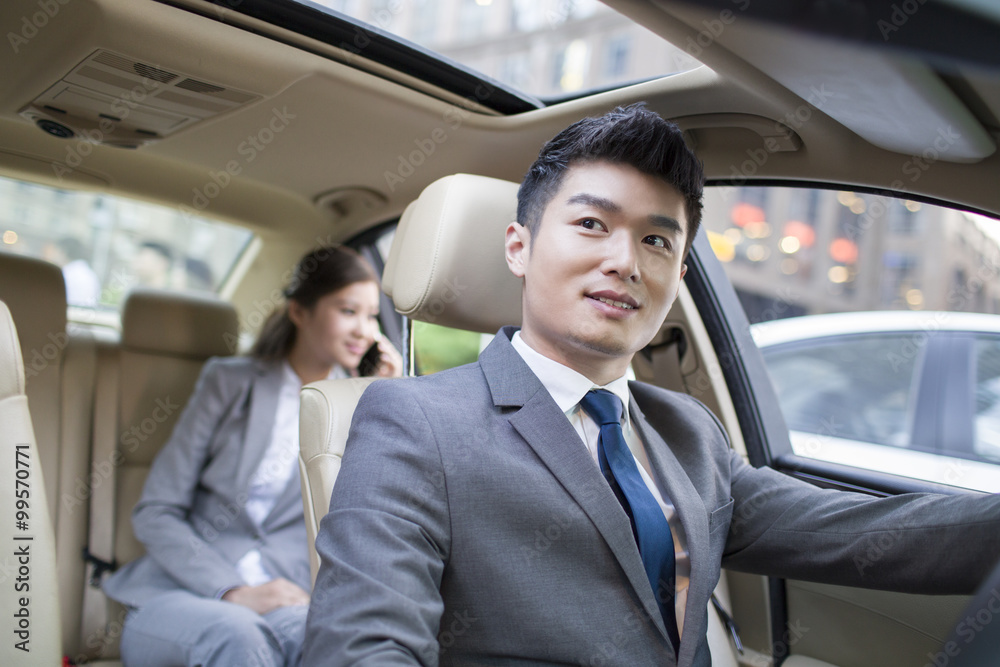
[390,361]
[267,597]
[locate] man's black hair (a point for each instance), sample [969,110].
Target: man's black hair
[631,135]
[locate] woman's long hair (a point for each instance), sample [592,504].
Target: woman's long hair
[317,274]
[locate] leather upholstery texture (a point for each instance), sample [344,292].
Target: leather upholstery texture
[324,422]
[29,607]
[444,270]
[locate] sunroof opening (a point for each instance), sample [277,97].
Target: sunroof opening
[544,48]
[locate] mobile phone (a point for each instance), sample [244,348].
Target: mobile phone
[370,361]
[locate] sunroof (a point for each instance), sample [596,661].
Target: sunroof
[542,48]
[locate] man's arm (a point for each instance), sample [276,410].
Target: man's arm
[384,544]
[915,543]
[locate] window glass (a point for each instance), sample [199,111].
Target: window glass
[856,387]
[544,48]
[987,398]
[863,306]
[436,348]
[106,245]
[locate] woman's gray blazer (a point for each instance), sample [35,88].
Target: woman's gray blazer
[191,516]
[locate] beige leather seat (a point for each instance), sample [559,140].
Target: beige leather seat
[142,387]
[446,266]
[324,421]
[36,295]
[438,270]
[29,605]
[59,370]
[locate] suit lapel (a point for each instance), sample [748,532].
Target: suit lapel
[547,431]
[686,500]
[260,420]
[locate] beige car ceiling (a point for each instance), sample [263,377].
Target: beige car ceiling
[342,131]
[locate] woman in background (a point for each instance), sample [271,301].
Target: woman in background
[225,577]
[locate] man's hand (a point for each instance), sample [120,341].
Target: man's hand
[267,597]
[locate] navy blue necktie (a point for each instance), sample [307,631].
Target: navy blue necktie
[649,525]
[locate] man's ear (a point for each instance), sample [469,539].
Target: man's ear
[684,270]
[517,248]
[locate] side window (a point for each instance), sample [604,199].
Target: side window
[987,398]
[436,348]
[854,387]
[106,245]
[879,322]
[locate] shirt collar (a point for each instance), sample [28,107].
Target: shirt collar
[291,380]
[565,385]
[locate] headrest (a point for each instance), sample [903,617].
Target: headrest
[183,324]
[35,293]
[11,364]
[446,264]
[327,407]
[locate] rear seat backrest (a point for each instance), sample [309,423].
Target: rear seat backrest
[30,625]
[166,339]
[325,416]
[35,293]
[59,375]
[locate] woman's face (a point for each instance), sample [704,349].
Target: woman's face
[340,327]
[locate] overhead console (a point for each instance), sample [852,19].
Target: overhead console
[121,101]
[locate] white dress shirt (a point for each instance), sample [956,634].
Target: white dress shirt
[567,388]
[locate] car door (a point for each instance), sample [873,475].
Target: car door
[842,626]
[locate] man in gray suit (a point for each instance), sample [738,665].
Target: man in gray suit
[537,508]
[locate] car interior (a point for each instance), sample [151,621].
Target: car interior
[304,126]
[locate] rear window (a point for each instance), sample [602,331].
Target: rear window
[106,245]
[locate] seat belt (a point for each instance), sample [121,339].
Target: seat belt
[727,620]
[99,554]
[665,358]
[76,424]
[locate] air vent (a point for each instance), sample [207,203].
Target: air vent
[150,72]
[131,66]
[199,86]
[117,100]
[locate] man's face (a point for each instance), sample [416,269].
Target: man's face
[602,269]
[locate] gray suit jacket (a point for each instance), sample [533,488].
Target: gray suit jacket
[190,516]
[470,526]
